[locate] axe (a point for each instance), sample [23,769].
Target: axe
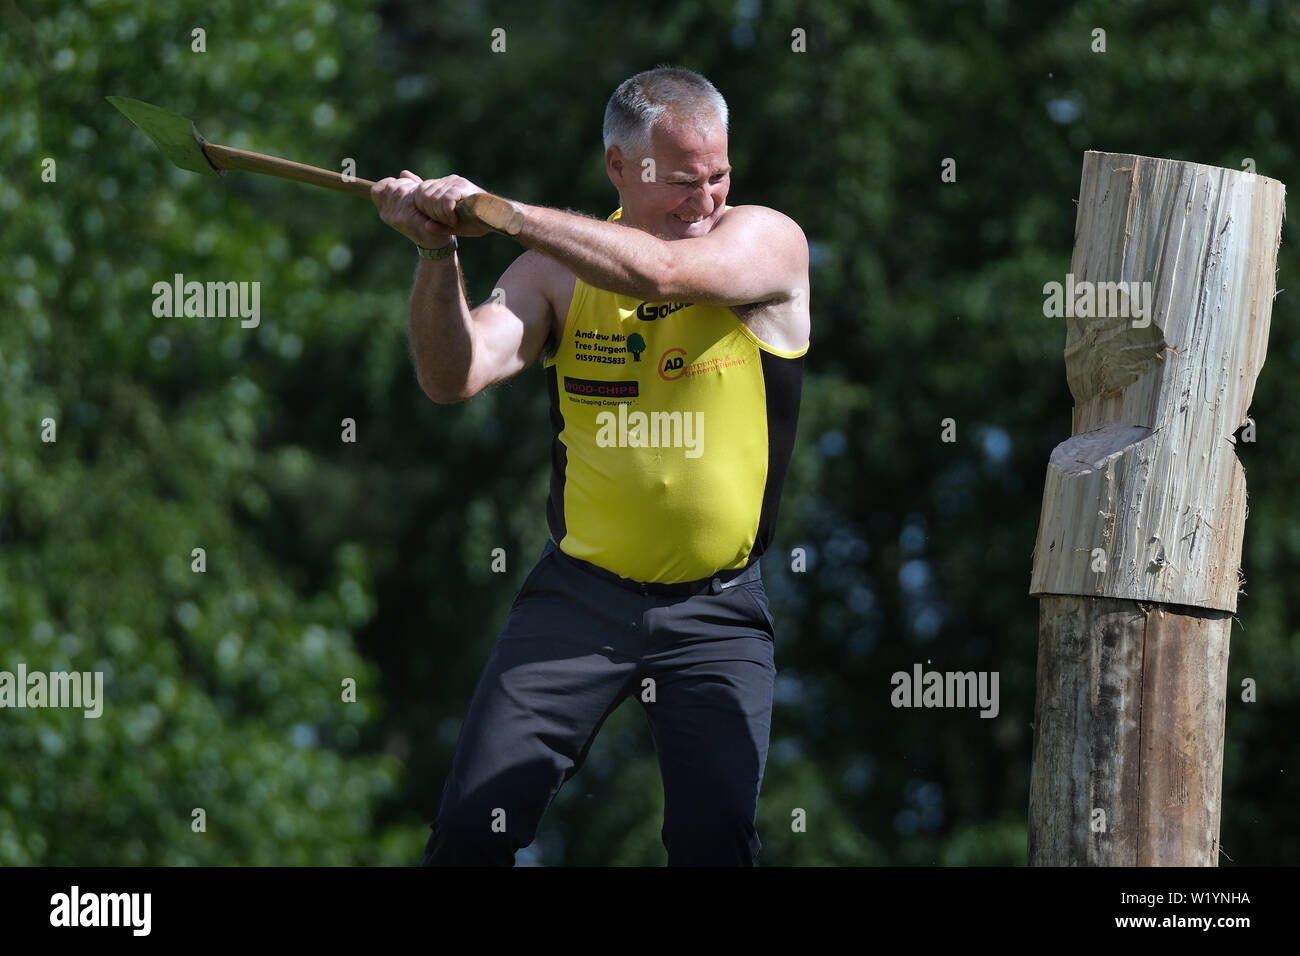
[180,141]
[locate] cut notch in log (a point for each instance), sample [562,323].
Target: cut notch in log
[1151,475]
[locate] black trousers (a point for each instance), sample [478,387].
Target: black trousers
[575,645]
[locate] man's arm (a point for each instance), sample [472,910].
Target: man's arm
[459,352]
[753,254]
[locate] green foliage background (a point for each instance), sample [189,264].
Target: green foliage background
[370,560]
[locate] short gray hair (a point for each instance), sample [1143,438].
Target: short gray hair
[642,101]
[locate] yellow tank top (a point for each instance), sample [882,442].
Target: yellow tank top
[672,429]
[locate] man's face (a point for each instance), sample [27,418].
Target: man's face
[684,199]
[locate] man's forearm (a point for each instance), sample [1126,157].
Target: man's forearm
[441,329]
[603,254]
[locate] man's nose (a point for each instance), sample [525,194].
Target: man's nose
[702,203]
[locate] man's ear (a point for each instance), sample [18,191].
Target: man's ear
[615,166]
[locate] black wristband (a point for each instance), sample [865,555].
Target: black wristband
[440,253]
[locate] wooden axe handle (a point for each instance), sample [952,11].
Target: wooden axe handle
[492,211]
[227,157]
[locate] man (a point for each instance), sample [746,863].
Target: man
[672,337]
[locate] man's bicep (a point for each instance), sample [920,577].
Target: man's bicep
[511,328]
[753,255]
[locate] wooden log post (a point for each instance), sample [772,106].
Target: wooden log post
[1137,559]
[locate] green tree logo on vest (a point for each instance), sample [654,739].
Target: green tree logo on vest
[636,345]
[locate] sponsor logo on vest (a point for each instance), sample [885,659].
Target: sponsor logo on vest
[672,364]
[651,430]
[649,311]
[586,386]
